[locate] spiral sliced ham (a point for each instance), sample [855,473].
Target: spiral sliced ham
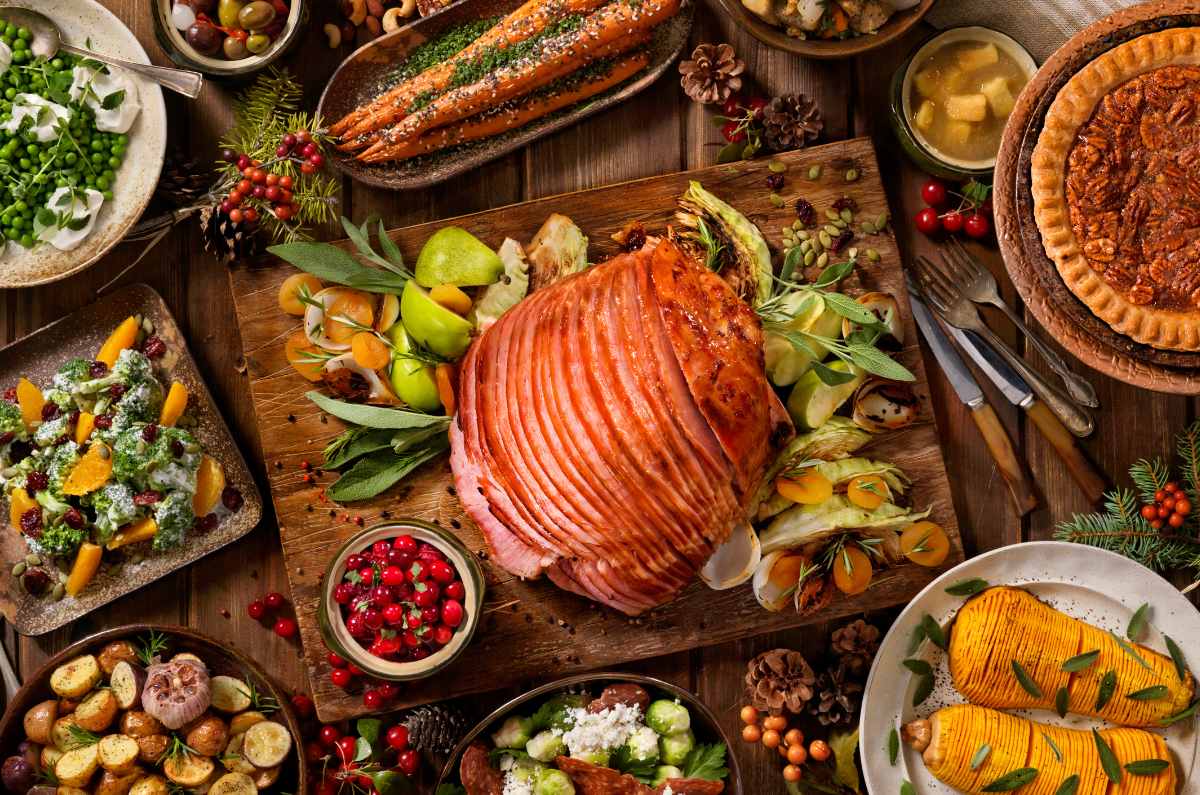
[612,427]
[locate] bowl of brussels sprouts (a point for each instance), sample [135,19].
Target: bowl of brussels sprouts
[606,731]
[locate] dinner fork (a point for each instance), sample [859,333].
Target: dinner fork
[948,300]
[979,285]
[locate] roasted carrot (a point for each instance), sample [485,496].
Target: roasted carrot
[523,111]
[840,22]
[611,30]
[528,20]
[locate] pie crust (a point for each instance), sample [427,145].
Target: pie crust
[1116,187]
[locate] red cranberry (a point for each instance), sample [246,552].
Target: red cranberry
[146,498]
[309,150]
[285,628]
[393,575]
[150,433]
[10,394]
[256,610]
[31,522]
[452,613]
[313,752]
[455,590]
[154,347]
[206,524]
[354,562]
[414,621]
[177,448]
[73,518]
[346,746]
[441,571]
[397,737]
[302,704]
[354,669]
[841,241]
[6,437]
[417,572]
[343,593]
[49,410]
[36,581]
[274,600]
[372,618]
[409,762]
[341,677]
[116,391]
[104,421]
[335,660]
[442,634]
[36,481]
[425,593]
[380,549]
[388,690]
[403,591]
[231,498]
[430,614]
[393,614]
[372,699]
[97,369]
[411,640]
[405,544]
[381,596]
[420,653]
[328,735]
[397,558]
[366,575]
[356,626]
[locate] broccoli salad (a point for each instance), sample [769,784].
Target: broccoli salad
[621,741]
[101,464]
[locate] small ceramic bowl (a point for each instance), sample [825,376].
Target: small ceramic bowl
[177,48]
[826,49]
[921,151]
[333,628]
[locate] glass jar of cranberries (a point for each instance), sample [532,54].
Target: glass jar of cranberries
[401,600]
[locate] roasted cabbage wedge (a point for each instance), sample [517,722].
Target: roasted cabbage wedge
[1004,625]
[971,748]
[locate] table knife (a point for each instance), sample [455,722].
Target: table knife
[968,391]
[1018,392]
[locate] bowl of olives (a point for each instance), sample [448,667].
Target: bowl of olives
[228,38]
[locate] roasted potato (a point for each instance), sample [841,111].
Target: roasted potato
[118,753]
[117,783]
[115,652]
[239,723]
[50,756]
[233,784]
[152,747]
[75,768]
[208,736]
[61,734]
[267,744]
[265,777]
[75,678]
[136,723]
[127,681]
[229,694]
[233,759]
[188,770]
[43,789]
[69,791]
[149,785]
[67,705]
[97,711]
[39,720]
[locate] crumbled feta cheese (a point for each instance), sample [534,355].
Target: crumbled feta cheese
[507,762]
[603,730]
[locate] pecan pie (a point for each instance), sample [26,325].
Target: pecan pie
[1116,187]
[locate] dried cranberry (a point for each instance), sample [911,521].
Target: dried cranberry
[73,518]
[206,524]
[231,498]
[36,581]
[176,448]
[116,391]
[31,522]
[73,417]
[6,437]
[10,394]
[845,203]
[805,212]
[19,451]
[49,410]
[841,241]
[61,440]
[97,369]
[146,498]
[36,481]
[775,181]
[150,433]
[154,347]
[104,421]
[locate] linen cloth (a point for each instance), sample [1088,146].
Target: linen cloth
[1041,25]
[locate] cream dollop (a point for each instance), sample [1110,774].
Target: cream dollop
[47,116]
[74,217]
[114,89]
[5,57]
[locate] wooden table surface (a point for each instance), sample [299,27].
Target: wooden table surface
[659,131]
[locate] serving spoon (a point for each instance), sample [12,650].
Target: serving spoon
[47,40]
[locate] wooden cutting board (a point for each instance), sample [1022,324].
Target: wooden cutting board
[532,630]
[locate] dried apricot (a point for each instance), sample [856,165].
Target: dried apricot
[806,488]
[389,312]
[304,356]
[210,482]
[867,491]
[31,401]
[444,377]
[349,305]
[84,427]
[370,351]
[90,472]
[851,570]
[925,544]
[451,297]
[173,407]
[124,336]
[296,287]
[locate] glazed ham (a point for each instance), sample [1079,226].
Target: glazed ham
[613,426]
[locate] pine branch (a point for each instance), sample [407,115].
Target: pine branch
[1188,448]
[1149,477]
[1124,531]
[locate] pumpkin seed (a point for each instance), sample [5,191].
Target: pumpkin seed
[103,452]
[840,224]
[19,569]
[33,560]
[832,230]
[825,238]
[814,172]
[832,214]
[868,228]
[872,255]
[846,215]
[776,200]
[809,258]
[882,220]
[823,260]
[59,592]
[852,175]
[777,166]
[804,234]
[148,326]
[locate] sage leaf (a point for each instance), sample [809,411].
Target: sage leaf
[375,416]
[1058,754]
[1147,767]
[1176,657]
[377,472]
[967,587]
[831,377]
[933,631]
[1132,652]
[730,153]
[390,250]
[361,239]
[980,756]
[876,362]
[906,788]
[919,667]
[1108,760]
[1137,622]
[923,691]
[917,638]
[1012,780]
[1069,786]
[793,259]
[333,264]
[847,307]
[1025,681]
[1060,701]
[354,443]
[893,746]
[1152,693]
[1108,685]
[834,274]
[1081,662]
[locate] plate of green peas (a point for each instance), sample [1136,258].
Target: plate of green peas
[81,144]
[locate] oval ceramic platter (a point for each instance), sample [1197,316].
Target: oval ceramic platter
[1102,588]
[367,73]
[82,21]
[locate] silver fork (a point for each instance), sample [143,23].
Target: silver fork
[947,299]
[979,285]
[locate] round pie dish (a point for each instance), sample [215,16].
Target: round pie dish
[899,24]
[333,623]
[1062,310]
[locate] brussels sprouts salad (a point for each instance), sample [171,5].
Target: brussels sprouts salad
[101,463]
[64,124]
[620,741]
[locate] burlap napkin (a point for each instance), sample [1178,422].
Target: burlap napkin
[1041,25]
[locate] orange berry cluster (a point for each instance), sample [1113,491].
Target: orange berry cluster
[773,732]
[1171,507]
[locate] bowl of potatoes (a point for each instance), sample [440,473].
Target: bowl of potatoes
[150,710]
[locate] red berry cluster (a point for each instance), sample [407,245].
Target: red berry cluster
[953,212]
[268,607]
[330,756]
[742,116]
[401,599]
[261,188]
[344,675]
[1171,506]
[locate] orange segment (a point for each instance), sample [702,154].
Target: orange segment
[84,428]
[90,472]
[867,491]
[925,544]
[124,336]
[30,399]
[174,405]
[295,286]
[303,356]
[370,351]
[350,305]
[444,376]
[808,488]
[852,570]
[18,503]
[141,530]
[87,561]
[210,482]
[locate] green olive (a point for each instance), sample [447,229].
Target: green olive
[235,49]
[256,15]
[258,43]
[227,12]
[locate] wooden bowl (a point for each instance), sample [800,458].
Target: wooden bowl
[1064,316]
[705,725]
[776,37]
[220,658]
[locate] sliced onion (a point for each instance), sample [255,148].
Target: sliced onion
[314,320]
[380,393]
[883,405]
[774,583]
[734,561]
[885,308]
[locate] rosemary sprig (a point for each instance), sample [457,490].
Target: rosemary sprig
[151,646]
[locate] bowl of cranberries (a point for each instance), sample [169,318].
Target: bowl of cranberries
[401,600]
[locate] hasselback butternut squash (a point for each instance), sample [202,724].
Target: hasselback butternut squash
[969,748]
[1005,625]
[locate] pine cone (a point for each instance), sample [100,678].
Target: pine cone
[228,241]
[855,645]
[838,698]
[779,679]
[792,121]
[183,180]
[436,728]
[712,73]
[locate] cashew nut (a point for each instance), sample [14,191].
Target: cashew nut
[334,34]
[358,12]
[391,19]
[408,8]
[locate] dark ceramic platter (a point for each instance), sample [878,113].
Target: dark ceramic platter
[366,74]
[37,357]
[1034,274]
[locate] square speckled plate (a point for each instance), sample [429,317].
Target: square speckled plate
[37,357]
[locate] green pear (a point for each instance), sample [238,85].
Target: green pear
[455,256]
[413,381]
[812,401]
[433,325]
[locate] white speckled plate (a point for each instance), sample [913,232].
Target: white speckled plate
[80,20]
[1099,587]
